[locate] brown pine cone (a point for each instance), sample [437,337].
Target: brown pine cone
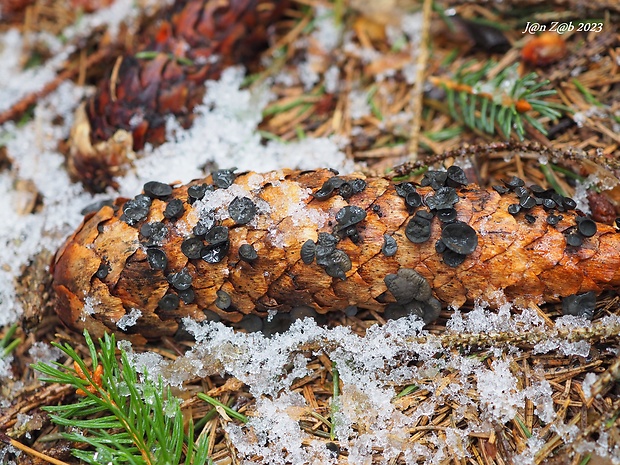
[242,248]
[165,77]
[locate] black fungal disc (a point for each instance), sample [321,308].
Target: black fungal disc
[394,312]
[346,190]
[583,305]
[553,220]
[247,253]
[390,247]
[181,281]
[418,229]
[521,191]
[217,235]
[446,215]
[191,247]
[456,177]
[174,210]
[223,300]
[349,216]
[530,218]
[215,253]
[435,179]
[452,258]
[527,201]
[569,203]
[187,296]
[136,209]
[460,238]
[407,285]
[242,210]
[514,208]
[574,240]
[325,246]
[432,310]
[413,200]
[358,185]
[440,247]
[157,259]
[404,188]
[307,251]
[157,190]
[328,187]
[251,323]
[549,204]
[501,189]
[197,192]
[224,178]
[336,264]
[586,227]
[169,302]
[425,214]
[204,225]
[102,271]
[514,182]
[445,197]
[156,231]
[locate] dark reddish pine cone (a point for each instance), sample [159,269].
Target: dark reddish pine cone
[260,250]
[165,77]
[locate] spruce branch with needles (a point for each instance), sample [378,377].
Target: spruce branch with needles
[503,102]
[123,418]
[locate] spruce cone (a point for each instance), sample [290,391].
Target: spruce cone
[240,248]
[165,77]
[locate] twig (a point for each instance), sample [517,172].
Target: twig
[418,89]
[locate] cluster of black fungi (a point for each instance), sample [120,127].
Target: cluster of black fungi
[553,203]
[208,242]
[458,239]
[411,291]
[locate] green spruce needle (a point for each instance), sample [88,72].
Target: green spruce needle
[8,344]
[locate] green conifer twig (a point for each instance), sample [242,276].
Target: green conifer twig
[125,419]
[503,102]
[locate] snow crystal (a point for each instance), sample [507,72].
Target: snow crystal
[5,367]
[44,353]
[129,319]
[498,391]
[331,79]
[586,385]
[327,32]
[224,133]
[358,104]
[540,393]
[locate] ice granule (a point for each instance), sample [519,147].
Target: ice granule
[540,393]
[331,79]
[586,385]
[129,319]
[498,391]
[6,450]
[5,367]
[308,74]
[44,353]
[327,32]
[358,104]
